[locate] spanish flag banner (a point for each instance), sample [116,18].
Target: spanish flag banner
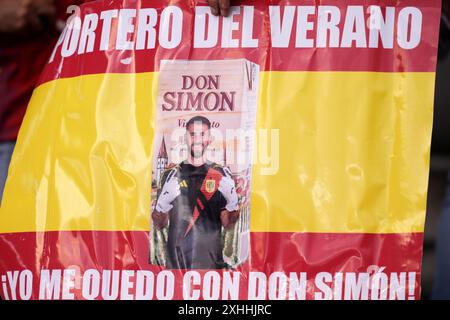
[279,153]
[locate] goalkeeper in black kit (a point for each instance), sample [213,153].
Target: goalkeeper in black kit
[196,198]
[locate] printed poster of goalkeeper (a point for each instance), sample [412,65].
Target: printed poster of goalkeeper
[202,161]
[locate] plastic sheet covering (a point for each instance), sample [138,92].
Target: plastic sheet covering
[279,153]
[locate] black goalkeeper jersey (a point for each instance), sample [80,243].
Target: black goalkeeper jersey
[195,228]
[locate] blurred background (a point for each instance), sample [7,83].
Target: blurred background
[440,164]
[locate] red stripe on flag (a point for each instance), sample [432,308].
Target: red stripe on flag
[312,253]
[270,58]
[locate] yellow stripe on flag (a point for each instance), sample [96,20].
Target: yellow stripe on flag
[353,154]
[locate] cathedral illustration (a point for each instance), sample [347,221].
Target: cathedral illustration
[162,161]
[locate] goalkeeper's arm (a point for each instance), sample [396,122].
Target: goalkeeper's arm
[169,191]
[160,219]
[229,218]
